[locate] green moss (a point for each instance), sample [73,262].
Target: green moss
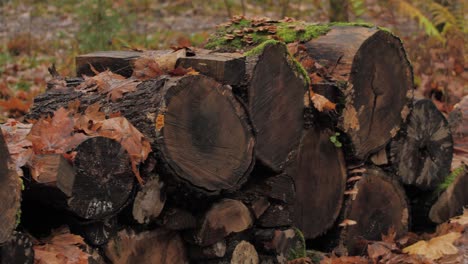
[450,179]
[300,251]
[18,217]
[300,69]
[259,49]
[351,24]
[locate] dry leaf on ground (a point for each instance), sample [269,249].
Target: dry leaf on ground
[61,248]
[435,248]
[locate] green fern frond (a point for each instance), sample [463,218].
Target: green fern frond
[413,12]
[441,15]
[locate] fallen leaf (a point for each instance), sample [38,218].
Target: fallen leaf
[61,248]
[19,147]
[435,248]
[55,134]
[321,103]
[107,82]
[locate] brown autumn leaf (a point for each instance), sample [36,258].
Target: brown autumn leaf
[180,71]
[20,148]
[148,67]
[321,103]
[112,84]
[305,260]
[61,247]
[55,134]
[94,123]
[435,248]
[14,104]
[345,260]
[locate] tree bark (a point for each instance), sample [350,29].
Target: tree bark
[338,11]
[422,154]
[197,129]
[10,193]
[377,95]
[319,174]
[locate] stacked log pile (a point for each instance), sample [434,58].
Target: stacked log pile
[281,134]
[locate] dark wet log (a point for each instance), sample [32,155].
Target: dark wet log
[177,219]
[273,90]
[119,62]
[275,216]
[285,244]
[217,250]
[95,233]
[149,201]
[223,218]
[159,246]
[452,201]
[319,174]
[10,193]
[199,132]
[17,249]
[422,154]
[228,68]
[279,188]
[375,203]
[376,94]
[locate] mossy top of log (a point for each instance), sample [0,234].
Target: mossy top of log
[242,33]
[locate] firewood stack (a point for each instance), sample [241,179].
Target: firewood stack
[281,132]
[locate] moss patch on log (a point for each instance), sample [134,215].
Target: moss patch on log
[242,34]
[450,179]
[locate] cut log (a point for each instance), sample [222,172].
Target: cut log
[422,154]
[97,185]
[217,250]
[149,201]
[225,217]
[177,219]
[375,204]
[276,215]
[119,62]
[319,174]
[273,90]
[452,201]
[159,246]
[10,193]
[376,94]
[244,253]
[95,233]
[197,129]
[17,249]
[285,244]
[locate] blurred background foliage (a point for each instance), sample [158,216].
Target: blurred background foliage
[35,34]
